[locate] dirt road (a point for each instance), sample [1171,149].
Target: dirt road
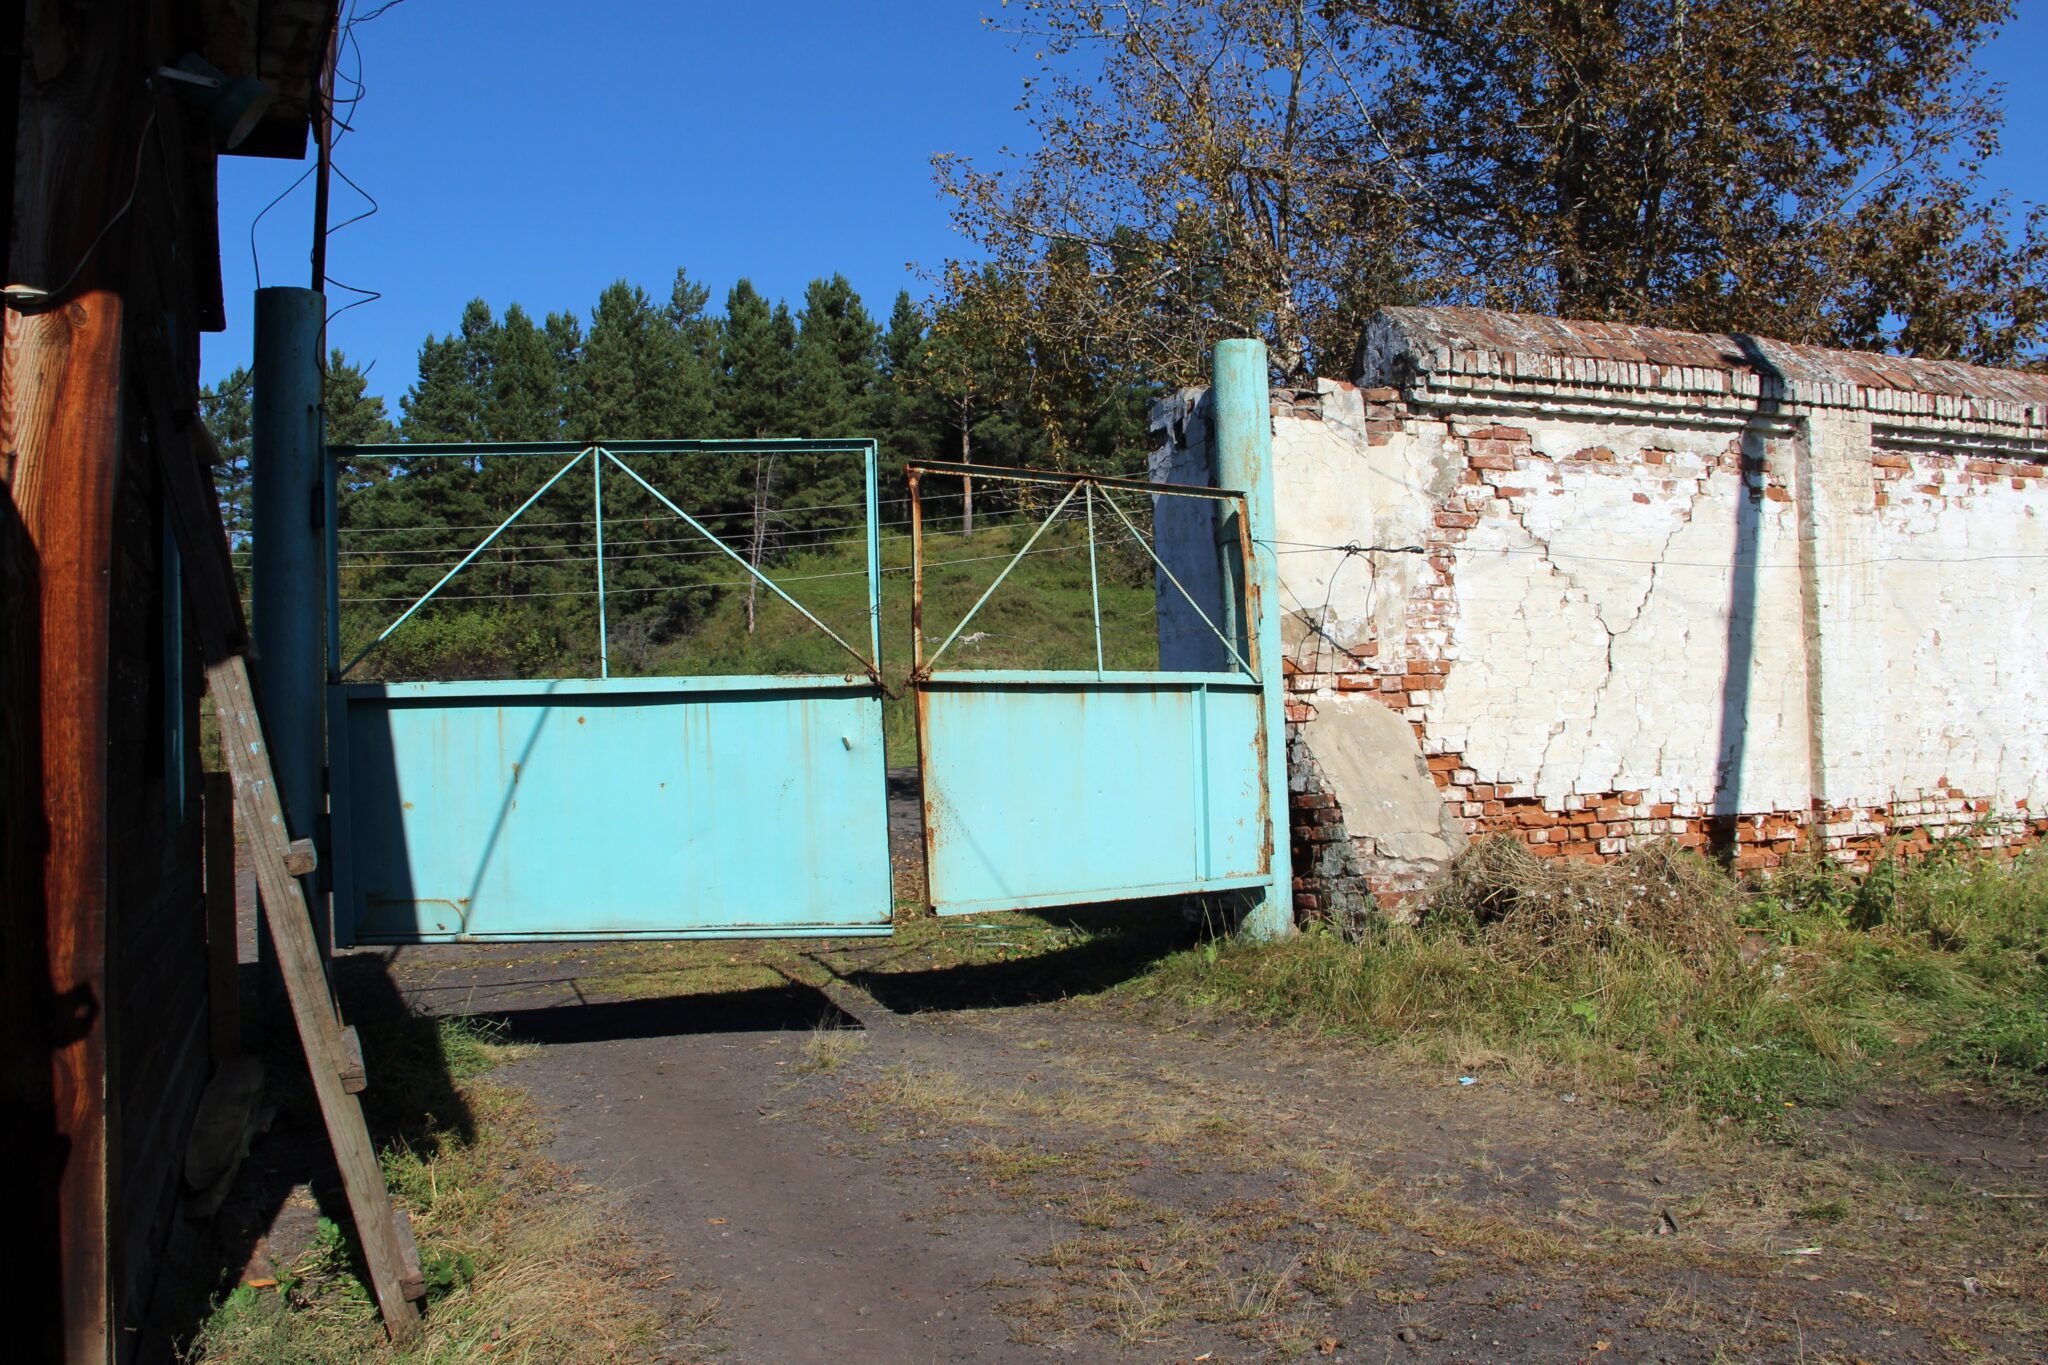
[855,1166]
[984,1142]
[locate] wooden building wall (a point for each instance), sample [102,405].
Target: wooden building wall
[103,967]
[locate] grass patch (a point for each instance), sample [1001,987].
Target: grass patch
[828,1049]
[522,1262]
[1660,977]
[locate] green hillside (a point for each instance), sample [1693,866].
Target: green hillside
[1039,618]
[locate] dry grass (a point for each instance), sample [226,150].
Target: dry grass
[829,1048]
[1276,1232]
[1548,911]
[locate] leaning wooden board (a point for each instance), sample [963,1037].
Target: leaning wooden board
[385,1232]
[320,1031]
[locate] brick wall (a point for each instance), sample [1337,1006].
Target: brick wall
[1646,585]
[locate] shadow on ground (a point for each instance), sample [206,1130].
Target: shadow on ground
[413,1099]
[764,1009]
[1109,946]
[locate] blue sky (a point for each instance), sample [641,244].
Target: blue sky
[536,150]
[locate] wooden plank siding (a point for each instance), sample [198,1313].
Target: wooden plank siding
[109,1015]
[61,427]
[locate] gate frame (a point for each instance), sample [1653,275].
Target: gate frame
[1242,482]
[342,692]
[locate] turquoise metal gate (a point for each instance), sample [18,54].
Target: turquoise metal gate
[1078,786]
[604,807]
[755,805]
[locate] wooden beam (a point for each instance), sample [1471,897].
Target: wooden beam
[298,958]
[60,427]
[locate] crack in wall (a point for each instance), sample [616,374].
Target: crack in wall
[1587,597]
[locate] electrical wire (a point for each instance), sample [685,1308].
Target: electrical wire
[492,525]
[793,540]
[48,297]
[256,255]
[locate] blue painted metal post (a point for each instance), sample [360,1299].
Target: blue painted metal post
[1243,455]
[289,597]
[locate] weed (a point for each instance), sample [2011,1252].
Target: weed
[829,1048]
[1630,979]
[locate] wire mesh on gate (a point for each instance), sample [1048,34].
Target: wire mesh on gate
[1087,573]
[455,562]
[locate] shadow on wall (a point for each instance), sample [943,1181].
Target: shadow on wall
[36,1023]
[1739,652]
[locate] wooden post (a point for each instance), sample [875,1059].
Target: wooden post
[223,979]
[60,430]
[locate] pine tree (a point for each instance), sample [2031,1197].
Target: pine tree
[564,333]
[623,389]
[355,416]
[757,375]
[756,366]
[692,407]
[227,410]
[450,399]
[525,401]
[838,353]
[907,418]
[837,373]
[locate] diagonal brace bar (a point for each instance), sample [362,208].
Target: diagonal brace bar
[482,545]
[1139,536]
[866,665]
[1014,561]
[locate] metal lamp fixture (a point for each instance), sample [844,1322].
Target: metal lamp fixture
[232,105]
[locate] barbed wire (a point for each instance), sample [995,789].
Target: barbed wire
[724,583]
